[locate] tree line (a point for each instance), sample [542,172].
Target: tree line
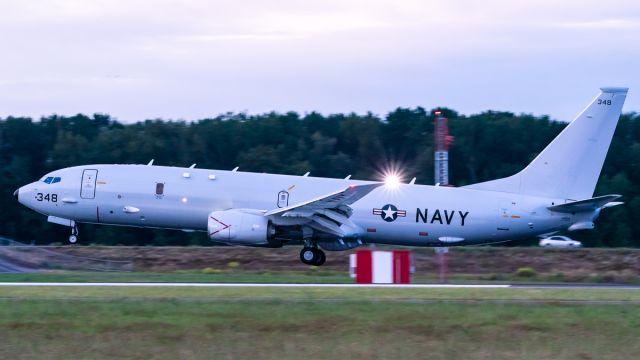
[488,145]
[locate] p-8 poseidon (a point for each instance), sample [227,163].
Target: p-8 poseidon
[554,192]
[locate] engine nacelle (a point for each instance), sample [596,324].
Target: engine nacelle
[238,227]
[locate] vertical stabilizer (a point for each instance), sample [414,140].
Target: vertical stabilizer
[569,167]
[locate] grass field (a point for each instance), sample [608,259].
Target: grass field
[464,263]
[294,323]
[49,322]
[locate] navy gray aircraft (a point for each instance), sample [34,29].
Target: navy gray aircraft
[554,192]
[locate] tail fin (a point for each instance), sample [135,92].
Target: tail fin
[569,167]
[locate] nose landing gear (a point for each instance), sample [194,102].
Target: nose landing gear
[73,238]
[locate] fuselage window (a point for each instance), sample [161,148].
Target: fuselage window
[159,188]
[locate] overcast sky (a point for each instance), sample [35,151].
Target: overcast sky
[192,59]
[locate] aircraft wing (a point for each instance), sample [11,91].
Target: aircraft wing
[328,212]
[587,205]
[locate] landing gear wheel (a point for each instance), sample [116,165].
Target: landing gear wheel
[312,256]
[321,259]
[308,256]
[73,238]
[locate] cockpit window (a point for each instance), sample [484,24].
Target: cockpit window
[51,180]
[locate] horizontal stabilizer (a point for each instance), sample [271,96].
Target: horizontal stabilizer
[585,205]
[612,204]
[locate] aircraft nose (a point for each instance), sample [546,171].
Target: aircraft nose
[16,193]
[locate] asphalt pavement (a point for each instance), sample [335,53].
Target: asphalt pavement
[263,285]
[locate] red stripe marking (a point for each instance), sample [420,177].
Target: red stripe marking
[221,223]
[423,233]
[364,267]
[371,230]
[402,267]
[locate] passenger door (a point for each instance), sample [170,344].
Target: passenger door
[88,186]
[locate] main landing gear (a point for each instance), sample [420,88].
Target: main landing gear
[74,234]
[312,256]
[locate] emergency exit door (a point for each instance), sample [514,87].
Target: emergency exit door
[283,199]
[88,189]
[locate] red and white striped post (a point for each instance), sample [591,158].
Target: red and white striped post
[381,267]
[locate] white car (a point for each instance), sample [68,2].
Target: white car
[559,242]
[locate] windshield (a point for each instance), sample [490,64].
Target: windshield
[52,179]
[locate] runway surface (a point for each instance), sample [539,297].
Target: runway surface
[394,286]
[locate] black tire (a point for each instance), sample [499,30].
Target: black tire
[309,256]
[321,258]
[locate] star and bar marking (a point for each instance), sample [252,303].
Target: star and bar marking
[389,212]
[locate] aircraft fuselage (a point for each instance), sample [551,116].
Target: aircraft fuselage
[182,198]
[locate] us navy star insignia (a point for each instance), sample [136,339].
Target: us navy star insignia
[389,212]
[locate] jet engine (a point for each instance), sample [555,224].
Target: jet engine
[239,227]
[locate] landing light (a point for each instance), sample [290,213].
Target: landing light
[392,181]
